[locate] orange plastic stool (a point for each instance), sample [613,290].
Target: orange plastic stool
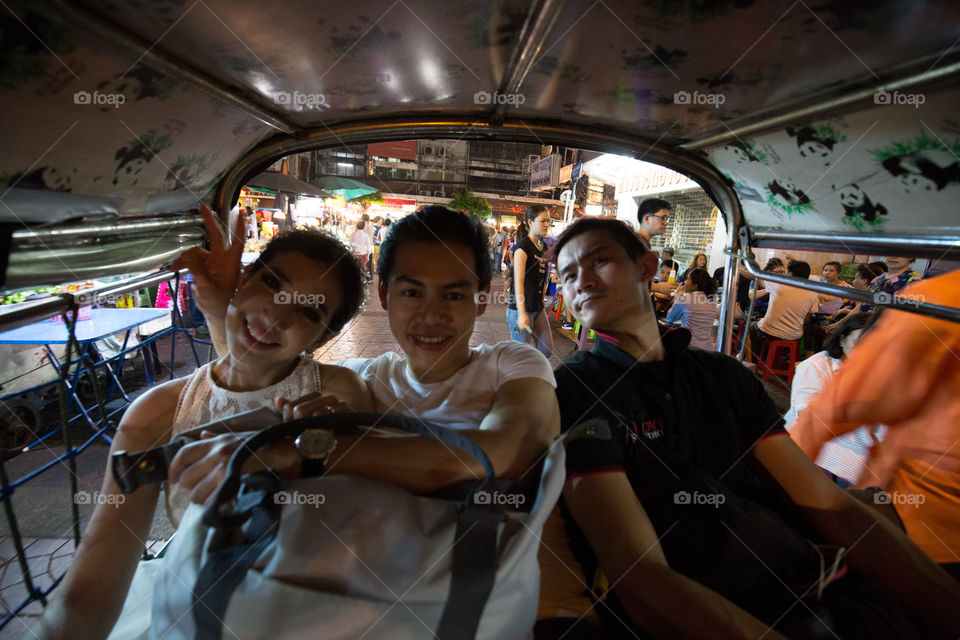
[766,365]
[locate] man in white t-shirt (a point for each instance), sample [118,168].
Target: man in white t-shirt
[788,310]
[434,278]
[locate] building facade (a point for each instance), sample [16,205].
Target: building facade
[432,171]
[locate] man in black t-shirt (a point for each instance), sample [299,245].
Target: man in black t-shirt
[688,499]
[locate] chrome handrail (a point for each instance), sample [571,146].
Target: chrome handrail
[879,299]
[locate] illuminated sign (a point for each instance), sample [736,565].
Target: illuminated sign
[651,180]
[248,192]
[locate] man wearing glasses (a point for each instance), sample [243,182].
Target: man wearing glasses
[653,216]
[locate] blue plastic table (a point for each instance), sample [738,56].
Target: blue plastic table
[102,323]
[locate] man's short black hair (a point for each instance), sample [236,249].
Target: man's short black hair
[670,263]
[325,248]
[798,268]
[668,250]
[434,223]
[650,206]
[620,232]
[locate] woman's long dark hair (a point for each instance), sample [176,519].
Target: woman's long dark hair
[523,226]
[702,280]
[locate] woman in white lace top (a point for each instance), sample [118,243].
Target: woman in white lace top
[302,290]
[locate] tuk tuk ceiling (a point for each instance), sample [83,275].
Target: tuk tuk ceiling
[143,107]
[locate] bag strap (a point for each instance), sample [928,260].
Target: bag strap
[227,565]
[254,513]
[474,569]
[219,514]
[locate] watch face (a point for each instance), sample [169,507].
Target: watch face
[316,443]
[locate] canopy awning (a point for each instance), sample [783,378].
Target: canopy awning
[283,182]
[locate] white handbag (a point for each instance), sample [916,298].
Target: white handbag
[343,557]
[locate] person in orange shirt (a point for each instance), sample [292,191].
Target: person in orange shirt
[906,374]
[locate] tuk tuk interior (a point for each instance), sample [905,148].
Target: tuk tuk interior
[824,126]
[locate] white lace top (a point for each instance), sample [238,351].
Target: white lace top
[202,401]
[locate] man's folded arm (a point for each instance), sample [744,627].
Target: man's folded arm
[515,435]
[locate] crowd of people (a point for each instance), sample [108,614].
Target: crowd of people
[688,510]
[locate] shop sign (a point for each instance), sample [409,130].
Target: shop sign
[594,191]
[544,173]
[397,204]
[401,149]
[248,192]
[566,173]
[652,179]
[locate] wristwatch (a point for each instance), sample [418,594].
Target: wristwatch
[315,447]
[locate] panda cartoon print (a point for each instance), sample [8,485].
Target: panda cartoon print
[789,194]
[813,144]
[50,178]
[137,83]
[857,204]
[740,151]
[924,170]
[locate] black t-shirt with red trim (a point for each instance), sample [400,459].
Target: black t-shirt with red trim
[682,430]
[534,277]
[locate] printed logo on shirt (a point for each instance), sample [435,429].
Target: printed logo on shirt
[651,429]
[542,263]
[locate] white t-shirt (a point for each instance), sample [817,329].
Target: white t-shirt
[788,309]
[461,401]
[361,243]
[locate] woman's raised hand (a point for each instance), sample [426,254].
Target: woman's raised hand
[217,271]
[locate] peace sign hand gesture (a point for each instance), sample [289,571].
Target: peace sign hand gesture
[215,272]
